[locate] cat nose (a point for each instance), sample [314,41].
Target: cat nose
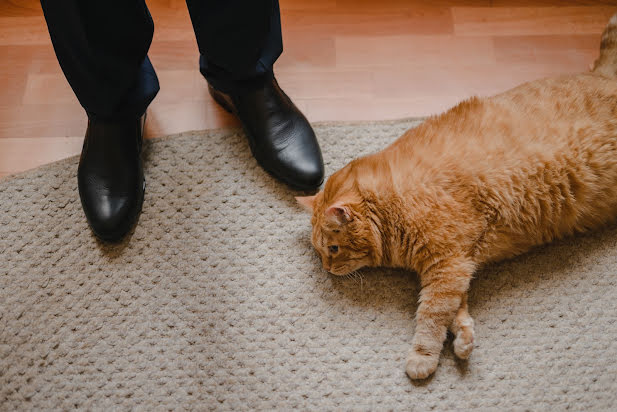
[326,267]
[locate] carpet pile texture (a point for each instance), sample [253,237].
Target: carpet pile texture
[217,301]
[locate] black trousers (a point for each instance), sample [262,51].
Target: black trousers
[102,47]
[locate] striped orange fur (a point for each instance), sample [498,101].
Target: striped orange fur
[487,180]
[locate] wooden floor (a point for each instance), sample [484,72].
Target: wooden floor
[343,60]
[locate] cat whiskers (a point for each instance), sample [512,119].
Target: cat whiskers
[356,276]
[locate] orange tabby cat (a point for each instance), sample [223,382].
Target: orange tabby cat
[487,180]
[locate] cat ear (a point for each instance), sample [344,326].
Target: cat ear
[339,213]
[307,202]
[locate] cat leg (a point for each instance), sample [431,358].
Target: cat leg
[462,329]
[441,296]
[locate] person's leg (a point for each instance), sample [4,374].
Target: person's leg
[239,41]
[102,48]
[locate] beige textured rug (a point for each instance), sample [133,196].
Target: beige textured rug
[217,301]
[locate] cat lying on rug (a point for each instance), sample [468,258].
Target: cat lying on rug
[485,181]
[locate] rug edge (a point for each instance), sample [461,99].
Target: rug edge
[8,178]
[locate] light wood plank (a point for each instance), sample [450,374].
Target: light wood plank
[48,89]
[424,51]
[19,154]
[171,118]
[522,21]
[327,84]
[23,31]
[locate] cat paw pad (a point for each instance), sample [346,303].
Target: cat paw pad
[420,366]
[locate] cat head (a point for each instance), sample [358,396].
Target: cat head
[342,232]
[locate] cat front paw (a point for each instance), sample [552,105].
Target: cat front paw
[463,344]
[462,327]
[421,366]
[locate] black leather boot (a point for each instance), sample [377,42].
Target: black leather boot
[280,137]
[110,176]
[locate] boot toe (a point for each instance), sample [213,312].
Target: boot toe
[300,163]
[304,171]
[111,218]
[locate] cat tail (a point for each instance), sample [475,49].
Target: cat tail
[606,64]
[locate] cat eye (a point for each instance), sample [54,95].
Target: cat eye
[333,249]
